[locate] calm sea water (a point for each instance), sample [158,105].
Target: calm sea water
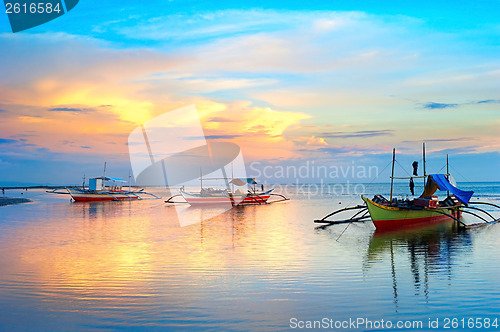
[124,265]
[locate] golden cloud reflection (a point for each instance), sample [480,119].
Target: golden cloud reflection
[131,255]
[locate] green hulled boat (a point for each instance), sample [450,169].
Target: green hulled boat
[427,209]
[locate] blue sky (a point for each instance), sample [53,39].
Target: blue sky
[333,82]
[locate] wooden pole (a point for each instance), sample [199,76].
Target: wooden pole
[104,176]
[392,176]
[423,157]
[447,176]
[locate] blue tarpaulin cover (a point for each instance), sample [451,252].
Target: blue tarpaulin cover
[108,178]
[443,184]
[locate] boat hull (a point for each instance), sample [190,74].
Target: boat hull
[87,196]
[195,200]
[255,200]
[387,217]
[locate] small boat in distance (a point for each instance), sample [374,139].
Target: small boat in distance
[228,196]
[98,191]
[394,213]
[212,196]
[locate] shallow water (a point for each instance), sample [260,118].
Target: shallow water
[123,265]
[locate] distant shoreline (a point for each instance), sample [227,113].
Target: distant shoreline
[13,200]
[32,187]
[49,187]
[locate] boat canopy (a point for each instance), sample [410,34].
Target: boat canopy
[243,181]
[107,178]
[439,181]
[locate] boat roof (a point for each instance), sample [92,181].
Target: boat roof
[439,181]
[243,181]
[108,178]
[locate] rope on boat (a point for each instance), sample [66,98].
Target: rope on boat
[361,210]
[354,220]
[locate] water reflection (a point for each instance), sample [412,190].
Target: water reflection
[131,260]
[424,252]
[112,265]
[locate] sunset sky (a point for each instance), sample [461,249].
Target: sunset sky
[336,83]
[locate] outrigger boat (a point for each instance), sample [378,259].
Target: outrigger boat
[98,191]
[227,196]
[212,196]
[425,210]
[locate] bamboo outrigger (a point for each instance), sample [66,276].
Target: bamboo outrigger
[227,196]
[424,210]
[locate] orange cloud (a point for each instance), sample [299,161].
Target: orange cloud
[259,131]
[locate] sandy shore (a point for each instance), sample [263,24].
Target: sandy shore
[12,200]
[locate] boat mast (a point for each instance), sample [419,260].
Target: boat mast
[423,157]
[129,176]
[447,175]
[103,177]
[392,176]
